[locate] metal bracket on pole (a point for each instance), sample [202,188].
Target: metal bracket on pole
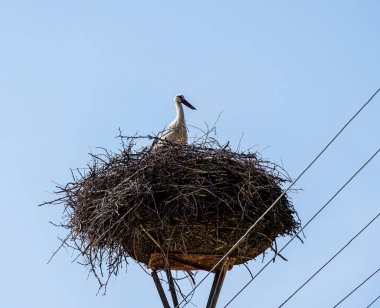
[160,290]
[217,286]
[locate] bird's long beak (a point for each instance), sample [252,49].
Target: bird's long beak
[186,103]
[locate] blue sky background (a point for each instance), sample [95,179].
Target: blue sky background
[287,74]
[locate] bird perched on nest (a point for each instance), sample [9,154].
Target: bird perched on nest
[177,130]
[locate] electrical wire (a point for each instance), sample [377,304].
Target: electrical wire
[373,301]
[276,201]
[332,258]
[304,227]
[349,294]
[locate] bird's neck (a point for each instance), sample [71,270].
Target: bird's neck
[180,114]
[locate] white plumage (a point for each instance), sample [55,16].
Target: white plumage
[177,130]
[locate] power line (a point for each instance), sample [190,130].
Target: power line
[349,294]
[332,258]
[282,194]
[373,301]
[303,228]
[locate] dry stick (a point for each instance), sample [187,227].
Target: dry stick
[63,242]
[304,227]
[158,245]
[282,194]
[105,232]
[152,238]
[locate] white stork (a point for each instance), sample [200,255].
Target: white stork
[176,131]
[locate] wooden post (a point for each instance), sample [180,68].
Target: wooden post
[217,286]
[160,290]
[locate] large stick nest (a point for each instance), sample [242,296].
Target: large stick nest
[183,199]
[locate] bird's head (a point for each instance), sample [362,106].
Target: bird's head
[179,98]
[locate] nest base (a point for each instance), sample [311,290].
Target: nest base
[188,262]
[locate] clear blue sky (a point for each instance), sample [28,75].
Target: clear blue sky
[287,74]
